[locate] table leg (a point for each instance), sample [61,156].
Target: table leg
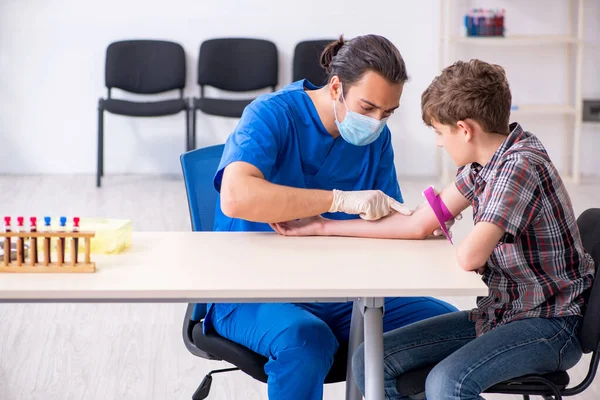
[356,338]
[373,310]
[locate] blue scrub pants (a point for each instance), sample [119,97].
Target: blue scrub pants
[300,340]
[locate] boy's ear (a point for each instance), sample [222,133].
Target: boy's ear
[465,129]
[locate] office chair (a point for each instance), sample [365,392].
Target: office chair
[233,65]
[307,62]
[554,384]
[142,67]
[199,168]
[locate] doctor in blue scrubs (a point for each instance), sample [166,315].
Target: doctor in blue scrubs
[305,151]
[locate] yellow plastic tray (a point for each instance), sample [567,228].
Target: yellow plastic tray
[112,235]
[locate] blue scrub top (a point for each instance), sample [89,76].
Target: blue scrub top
[282,135]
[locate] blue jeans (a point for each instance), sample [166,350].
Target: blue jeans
[466,364]
[300,340]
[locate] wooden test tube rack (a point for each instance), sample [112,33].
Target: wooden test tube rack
[37,263]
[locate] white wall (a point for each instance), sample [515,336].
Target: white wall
[52,73]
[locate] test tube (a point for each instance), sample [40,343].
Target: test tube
[47,228]
[33,250]
[475,22]
[481,23]
[20,242]
[469,23]
[61,241]
[7,241]
[75,242]
[490,23]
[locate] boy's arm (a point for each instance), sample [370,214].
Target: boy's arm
[513,202]
[396,226]
[473,252]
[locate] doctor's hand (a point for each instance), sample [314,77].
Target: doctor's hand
[312,226]
[368,204]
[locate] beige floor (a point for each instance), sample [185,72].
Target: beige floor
[134,351]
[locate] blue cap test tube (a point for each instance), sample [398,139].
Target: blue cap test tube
[63,224]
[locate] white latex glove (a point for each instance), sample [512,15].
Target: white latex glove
[368,204]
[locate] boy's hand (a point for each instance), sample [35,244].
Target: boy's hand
[439,232]
[449,223]
[312,226]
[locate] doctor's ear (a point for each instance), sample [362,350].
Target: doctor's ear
[335,87]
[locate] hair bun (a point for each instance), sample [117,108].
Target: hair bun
[330,51]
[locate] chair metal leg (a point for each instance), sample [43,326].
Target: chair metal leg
[193,128]
[188,140]
[100,167]
[525,397]
[102,149]
[204,389]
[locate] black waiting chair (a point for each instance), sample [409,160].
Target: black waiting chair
[307,62]
[142,67]
[199,167]
[552,385]
[233,65]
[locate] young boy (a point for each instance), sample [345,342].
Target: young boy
[525,243]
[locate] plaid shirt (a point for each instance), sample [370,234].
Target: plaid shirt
[539,268]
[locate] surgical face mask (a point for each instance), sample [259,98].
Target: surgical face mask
[358,129]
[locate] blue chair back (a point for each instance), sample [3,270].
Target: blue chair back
[199,168]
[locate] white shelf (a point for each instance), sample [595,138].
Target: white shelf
[536,109]
[571,39]
[523,40]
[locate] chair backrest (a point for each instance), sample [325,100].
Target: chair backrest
[307,62]
[199,168]
[145,66]
[238,64]
[589,227]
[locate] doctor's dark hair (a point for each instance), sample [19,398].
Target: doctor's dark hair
[351,59]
